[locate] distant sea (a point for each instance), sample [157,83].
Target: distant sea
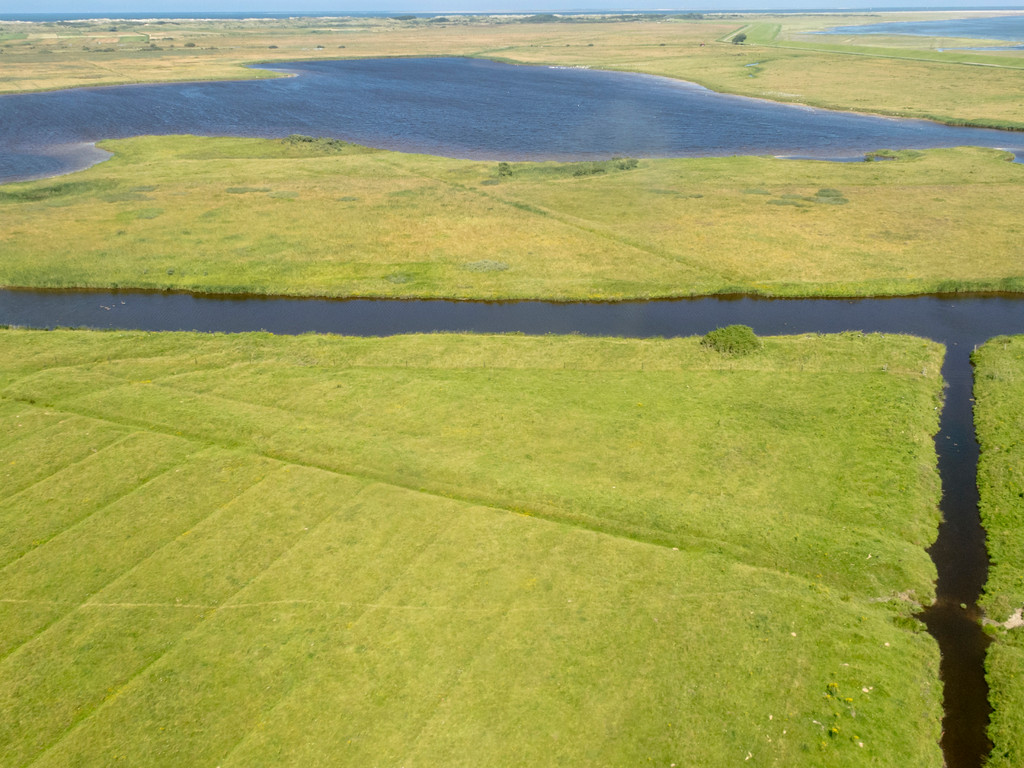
[131,16]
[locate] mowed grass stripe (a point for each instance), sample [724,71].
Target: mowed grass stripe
[36,514]
[237,424]
[211,561]
[633,499]
[534,658]
[84,558]
[219,555]
[39,443]
[80,661]
[53,384]
[252,660]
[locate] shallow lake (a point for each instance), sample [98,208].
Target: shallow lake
[988,28]
[456,107]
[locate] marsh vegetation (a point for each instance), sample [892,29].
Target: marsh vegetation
[322,218]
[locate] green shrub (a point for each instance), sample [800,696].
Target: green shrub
[732,340]
[589,168]
[318,143]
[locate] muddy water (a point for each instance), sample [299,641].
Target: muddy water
[959,322]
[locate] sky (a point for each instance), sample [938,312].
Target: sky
[453,6]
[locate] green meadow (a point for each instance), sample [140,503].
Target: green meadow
[999,403]
[462,550]
[325,218]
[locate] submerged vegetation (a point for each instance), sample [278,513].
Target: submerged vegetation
[343,549]
[999,418]
[317,217]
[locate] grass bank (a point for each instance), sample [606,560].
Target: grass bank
[254,550]
[999,403]
[332,219]
[780,60]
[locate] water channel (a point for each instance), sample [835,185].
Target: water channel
[959,322]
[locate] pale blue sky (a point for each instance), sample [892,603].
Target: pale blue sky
[441,6]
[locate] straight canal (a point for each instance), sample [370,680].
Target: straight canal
[960,322]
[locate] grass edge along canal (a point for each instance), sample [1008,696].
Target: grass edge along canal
[335,548]
[999,405]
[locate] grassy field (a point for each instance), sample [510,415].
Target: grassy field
[999,396]
[318,219]
[780,60]
[453,550]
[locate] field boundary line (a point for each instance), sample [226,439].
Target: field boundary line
[577,520]
[552,514]
[571,222]
[339,604]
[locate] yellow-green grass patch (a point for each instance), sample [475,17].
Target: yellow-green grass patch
[329,219]
[322,550]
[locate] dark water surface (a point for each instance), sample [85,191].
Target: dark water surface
[974,28]
[959,322]
[500,111]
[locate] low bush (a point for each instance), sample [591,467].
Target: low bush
[316,142]
[732,340]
